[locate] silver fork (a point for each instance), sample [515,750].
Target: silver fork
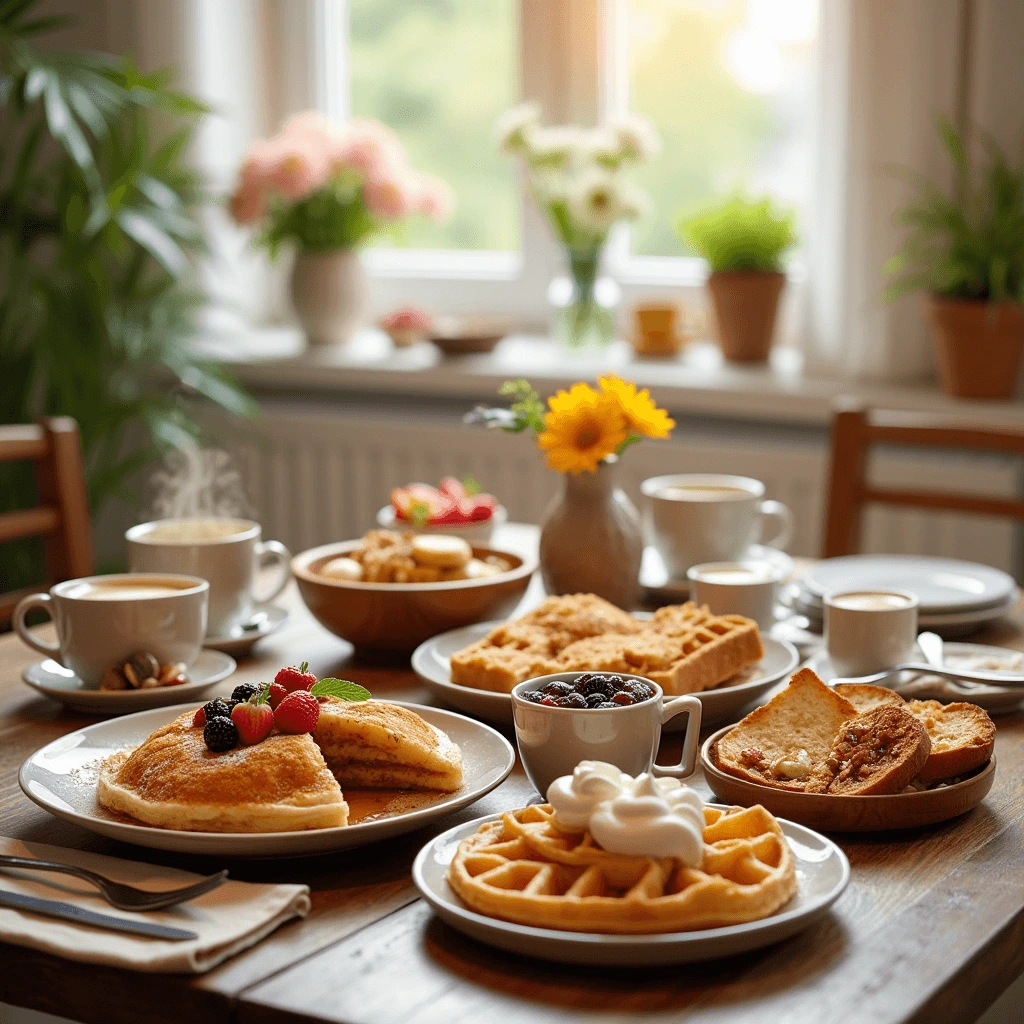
[117,894]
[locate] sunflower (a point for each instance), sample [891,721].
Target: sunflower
[641,414]
[582,427]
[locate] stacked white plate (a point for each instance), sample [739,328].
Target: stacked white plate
[956,597]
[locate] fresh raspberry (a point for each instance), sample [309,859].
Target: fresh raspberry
[277,694]
[295,678]
[199,718]
[298,712]
[253,721]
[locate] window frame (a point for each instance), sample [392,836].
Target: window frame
[574,63]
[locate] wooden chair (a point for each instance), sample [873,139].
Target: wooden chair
[855,430]
[62,516]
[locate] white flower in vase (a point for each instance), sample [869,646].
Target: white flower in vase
[556,147]
[515,127]
[637,139]
[596,199]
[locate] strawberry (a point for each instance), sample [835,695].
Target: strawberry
[420,500]
[199,718]
[295,678]
[455,489]
[253,719]
[277,694]
[298,712]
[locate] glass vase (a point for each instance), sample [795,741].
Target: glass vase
[583,302]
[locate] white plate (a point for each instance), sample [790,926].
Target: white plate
[655,580]
[949,624]
[915,686]
[943,585]
[53,680]
[430,661]
[822,874]
[241,638]
[61,778]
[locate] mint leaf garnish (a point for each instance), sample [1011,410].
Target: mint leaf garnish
[471,486]
[340,688]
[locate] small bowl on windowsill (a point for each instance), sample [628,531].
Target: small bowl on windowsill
[463,335]
[479,531]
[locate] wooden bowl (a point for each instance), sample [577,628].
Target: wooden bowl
[400,616]
[462,335]
[849,813]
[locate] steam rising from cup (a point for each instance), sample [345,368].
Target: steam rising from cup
[198,482]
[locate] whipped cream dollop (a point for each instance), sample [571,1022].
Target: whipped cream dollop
[643,817]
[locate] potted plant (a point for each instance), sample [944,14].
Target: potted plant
[327,190]
[99,300]
[743,241]
[576,177]
[591,540]
[966,252]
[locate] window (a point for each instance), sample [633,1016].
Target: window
[728,83]
[439,73]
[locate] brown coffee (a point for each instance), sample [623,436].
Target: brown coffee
[702,492]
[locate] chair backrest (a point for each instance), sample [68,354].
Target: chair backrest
[855,430]
[62,516]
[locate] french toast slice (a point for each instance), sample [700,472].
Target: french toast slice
[780,743]
[865,698]
[962,737]
[875,753]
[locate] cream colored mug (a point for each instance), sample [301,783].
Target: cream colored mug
[103,620]
[226,552]
[552,741]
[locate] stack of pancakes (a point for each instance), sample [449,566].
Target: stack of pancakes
[286,782]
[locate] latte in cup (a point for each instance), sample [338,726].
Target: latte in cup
[693,518]
[869,630]
[737,589]
[225,551]
[102,621]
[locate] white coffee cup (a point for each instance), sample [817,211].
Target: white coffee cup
[226,552]
[101,621]
[869,630]
[552,741]
[694,518]
[737,588]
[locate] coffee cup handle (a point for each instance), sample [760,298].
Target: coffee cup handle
[691,742]
[25,605]
[776,510]
[278,553]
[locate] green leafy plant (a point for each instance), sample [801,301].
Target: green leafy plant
[97,236]
[740,234]
[969,245]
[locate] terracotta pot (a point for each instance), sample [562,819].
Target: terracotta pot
[745,303]
[978,346]
[591,541]
[329,294]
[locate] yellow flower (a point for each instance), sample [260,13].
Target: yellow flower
[641,414]
[582,427]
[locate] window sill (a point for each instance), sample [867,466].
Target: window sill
[274,363]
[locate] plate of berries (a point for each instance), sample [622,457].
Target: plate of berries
[456,507]
[297,767]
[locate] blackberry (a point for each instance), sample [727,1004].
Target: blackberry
[572,700]
[606,704]
[640,691]
[243,691]
[220,734]
[622,698]
[618,682]
[594,699]
[218,708]
[594,682]
[533,696]
[558,688]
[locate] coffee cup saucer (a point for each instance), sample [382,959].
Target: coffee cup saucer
[658,586]
[239,639]
[53,680]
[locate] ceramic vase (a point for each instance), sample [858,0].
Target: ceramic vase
[329,295]
[591,541]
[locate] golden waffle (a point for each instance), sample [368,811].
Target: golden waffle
[522,868]
[713,652]
[171,780]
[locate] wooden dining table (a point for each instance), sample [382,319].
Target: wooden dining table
[930,929]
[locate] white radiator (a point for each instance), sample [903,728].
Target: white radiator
[317,473]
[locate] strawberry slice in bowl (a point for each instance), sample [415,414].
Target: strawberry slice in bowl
[457,507]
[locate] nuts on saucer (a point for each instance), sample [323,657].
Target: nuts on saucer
[143,671]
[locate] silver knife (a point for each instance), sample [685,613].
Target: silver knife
[71,912]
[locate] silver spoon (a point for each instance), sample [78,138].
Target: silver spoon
[117,894]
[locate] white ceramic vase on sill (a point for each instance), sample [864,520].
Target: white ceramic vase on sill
[329,295]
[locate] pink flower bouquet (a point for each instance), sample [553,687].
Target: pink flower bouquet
[327,188]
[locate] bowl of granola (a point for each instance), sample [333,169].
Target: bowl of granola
[391,590]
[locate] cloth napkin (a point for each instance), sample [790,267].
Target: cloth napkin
[233,917]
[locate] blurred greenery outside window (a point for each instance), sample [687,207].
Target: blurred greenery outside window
[728,84]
